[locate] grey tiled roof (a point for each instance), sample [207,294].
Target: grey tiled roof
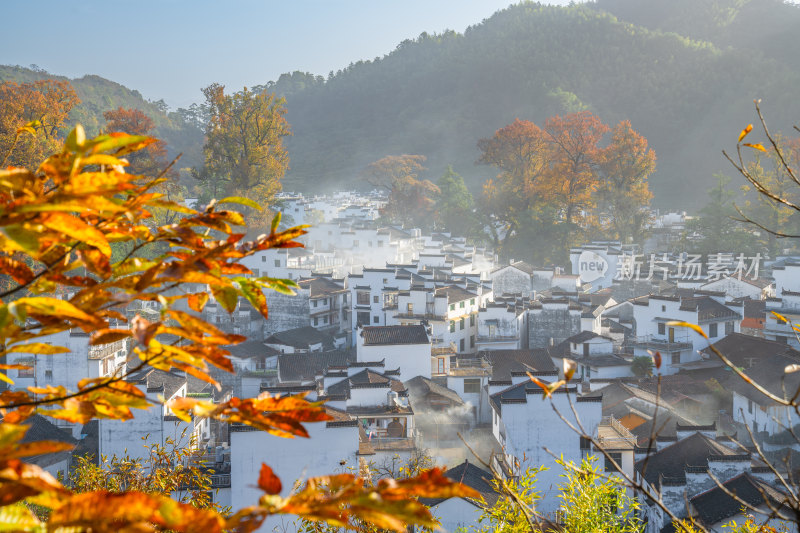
[671,462]
[379,335]
[476,478]
[251,348]
[504,362]
[170,381]
[365,378]
[715,505]
[738,347]
[40,428]
[321,286]
[770,373]
[421,386]
[455,294]
[708,308]
[301,337]
[306,366]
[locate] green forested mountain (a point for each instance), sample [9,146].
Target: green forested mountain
[98,95]
[766,27]
[438,94]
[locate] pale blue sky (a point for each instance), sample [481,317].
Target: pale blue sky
[171,48]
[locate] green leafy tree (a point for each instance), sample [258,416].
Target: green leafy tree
[516,513]
[593,502]
[716,225]
[455,206]
[642,366]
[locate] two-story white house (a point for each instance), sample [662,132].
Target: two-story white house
[679,345]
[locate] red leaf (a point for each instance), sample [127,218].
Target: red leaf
[268,481]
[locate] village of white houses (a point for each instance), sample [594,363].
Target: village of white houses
[421,344]
[534,270]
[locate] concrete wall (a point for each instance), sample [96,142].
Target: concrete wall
[290,459]
[456,514]
[499,329]
[286,312]
[534,425]
[553,321]
[412,359]
[511,280]
[736,288]
[786,278]
[772,420]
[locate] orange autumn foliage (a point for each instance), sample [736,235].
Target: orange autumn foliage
[561,174]
[58,225]
[43,106]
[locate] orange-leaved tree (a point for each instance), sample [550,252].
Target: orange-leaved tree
[151,159]
[560,179]
[623,193]
[58,225]
[41,107]
[574,149]
[410,200]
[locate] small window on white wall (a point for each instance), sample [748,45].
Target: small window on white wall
[472,385]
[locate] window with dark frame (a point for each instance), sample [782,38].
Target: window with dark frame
[617,457]
[472,385]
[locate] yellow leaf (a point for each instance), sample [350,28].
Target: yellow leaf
[43,305]
[30,127]
[790,369]
[75,139]
[241,201]
[757,146]
[78,230]
[197,301]
[744,133]
[37,347]
[780,317]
